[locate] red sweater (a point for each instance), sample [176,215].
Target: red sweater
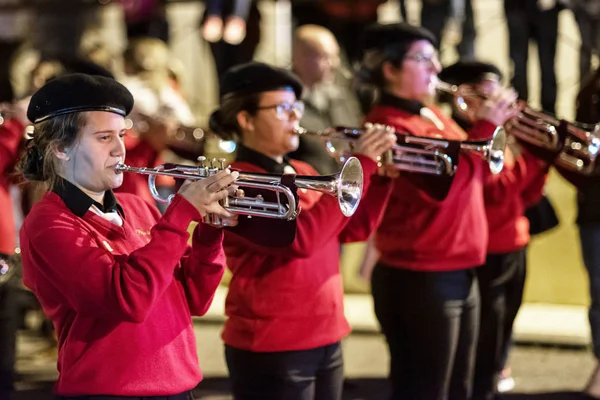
[424,234]
[121,298]
[11,136]
[291,298]
[507,195]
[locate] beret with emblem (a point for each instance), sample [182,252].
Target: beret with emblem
[386,37]
[469,72]
[256,77]
[79,93]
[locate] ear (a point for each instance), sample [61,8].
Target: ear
[389,71]
[61,152]
[245,121]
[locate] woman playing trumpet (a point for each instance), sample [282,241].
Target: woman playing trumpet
[502,279]
[119,281]
[285,306]
[424,286]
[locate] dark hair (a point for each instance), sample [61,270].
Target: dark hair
[370,70]
[38,162]
[223,121]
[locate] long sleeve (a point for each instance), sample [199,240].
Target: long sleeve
[370,212]
[525,174]
[11,136]
[202,268]
[67,258]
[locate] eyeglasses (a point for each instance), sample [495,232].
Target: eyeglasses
[285,110]
[420,57]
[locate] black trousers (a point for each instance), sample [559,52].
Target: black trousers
[501,283]
[542,27]
[435,14]
[430,321]
[316,374]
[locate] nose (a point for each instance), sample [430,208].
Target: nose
[118,149]
[436,65]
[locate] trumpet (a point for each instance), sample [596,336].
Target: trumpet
[577,148]
[420,154]
[346,186]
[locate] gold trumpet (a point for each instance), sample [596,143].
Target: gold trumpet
[346,185]
[420,154]
[577,148]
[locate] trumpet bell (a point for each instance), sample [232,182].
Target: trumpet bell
[497,147]
[349,190]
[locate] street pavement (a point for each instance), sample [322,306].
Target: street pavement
[541,372]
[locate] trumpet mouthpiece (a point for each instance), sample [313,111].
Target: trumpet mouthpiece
[298,130]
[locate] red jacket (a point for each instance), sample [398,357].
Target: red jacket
[11,137]
[507,195]
[291,298]
[121,298]
[424,234]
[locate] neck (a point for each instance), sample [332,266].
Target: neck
[398,92]
[251,146]
[96,196]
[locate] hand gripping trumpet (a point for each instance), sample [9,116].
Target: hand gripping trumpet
[576,145]
[420,154]
[346,186]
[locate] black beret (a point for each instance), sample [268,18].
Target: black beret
[255,77]
[469,71]
[387,36]
[78,93]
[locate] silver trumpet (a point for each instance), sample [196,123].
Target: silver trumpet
[346,185]
[418,154]
[577,150]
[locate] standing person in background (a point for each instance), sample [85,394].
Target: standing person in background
[587,15]
[12,137]
[347,19]
[534,20]
[146,18]
[327,101]
[435,14]
[232,27]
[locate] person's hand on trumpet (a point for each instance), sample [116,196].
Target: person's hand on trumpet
[206,194]
[500,107]
[377,140]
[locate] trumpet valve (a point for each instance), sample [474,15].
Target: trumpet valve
[222,162]
[202,161]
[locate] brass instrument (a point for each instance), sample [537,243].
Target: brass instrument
[577,150]
[346,186]
[421,154]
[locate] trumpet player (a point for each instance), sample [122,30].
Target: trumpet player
[285,305]
[506,195]
[424,285]
[119,282]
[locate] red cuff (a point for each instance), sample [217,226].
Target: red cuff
[181,212]
[207,236]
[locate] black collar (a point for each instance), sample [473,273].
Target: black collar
[244,154]
[410,106]
[79,202]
